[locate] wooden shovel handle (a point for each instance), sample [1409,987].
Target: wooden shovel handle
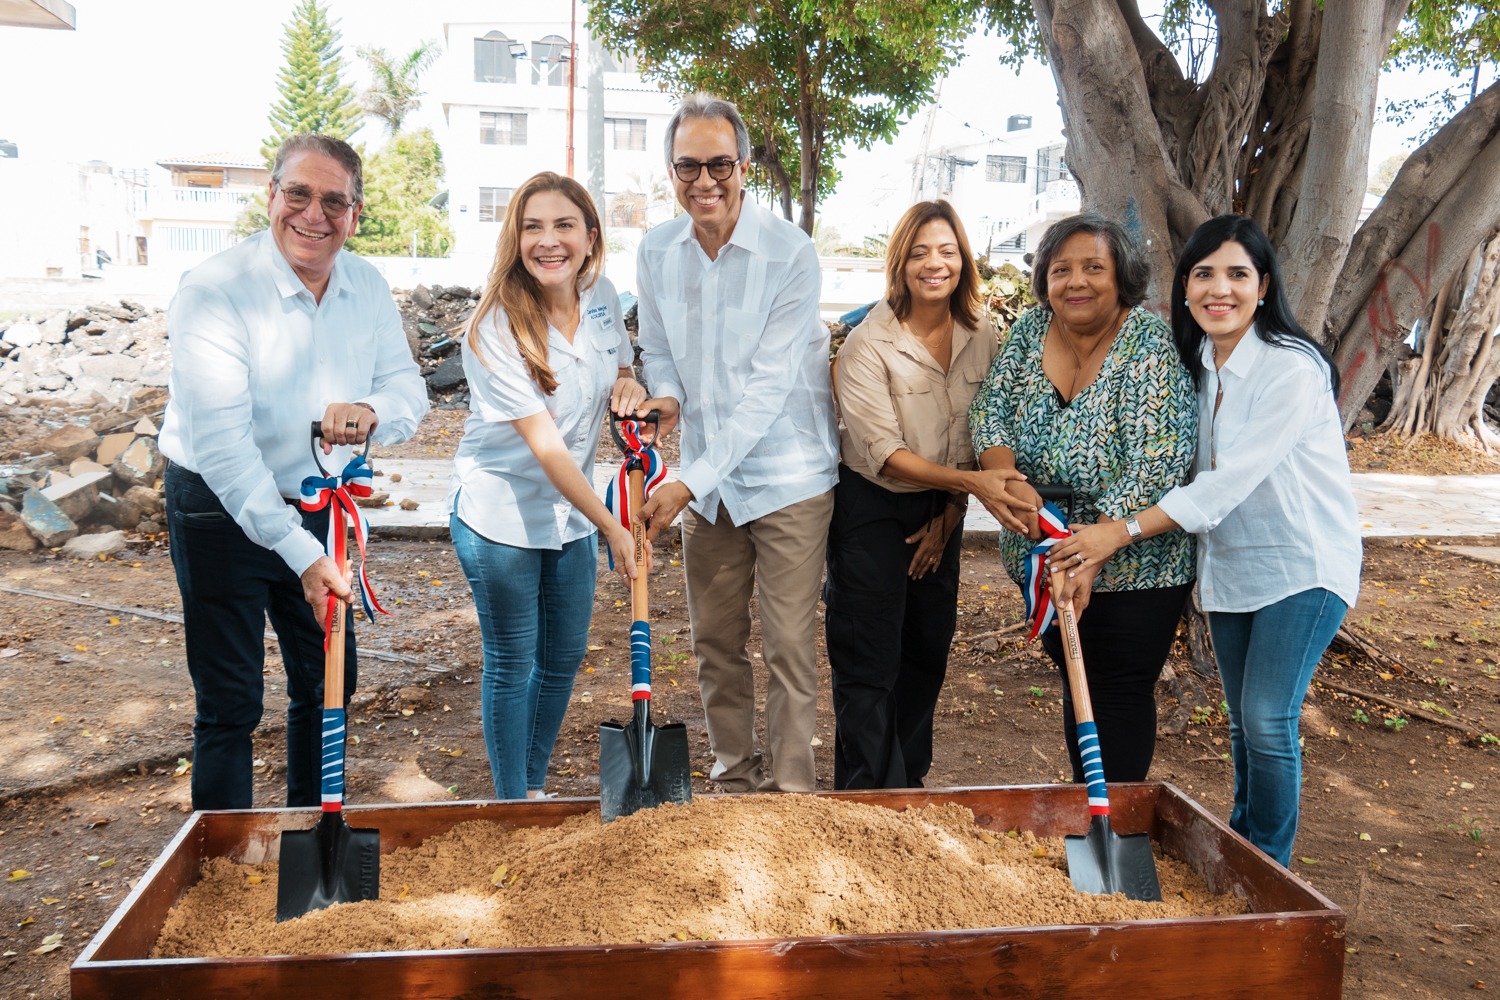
[639,606]
[333,656]
[1078,684]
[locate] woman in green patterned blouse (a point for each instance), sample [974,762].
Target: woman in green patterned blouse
[1088,391]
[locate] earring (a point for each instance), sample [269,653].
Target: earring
[1185,302]
[1260,302]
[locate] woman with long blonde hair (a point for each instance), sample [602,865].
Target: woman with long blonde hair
[546,354]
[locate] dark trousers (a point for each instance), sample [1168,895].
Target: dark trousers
[229,586]
[1125,637]
[888,634]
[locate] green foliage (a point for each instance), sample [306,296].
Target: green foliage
[1396,723]
[314,97]
[811,77]
[396,91]
[1360,716]
[400,181]
[1007,291]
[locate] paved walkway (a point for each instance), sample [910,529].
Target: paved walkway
[1390,506]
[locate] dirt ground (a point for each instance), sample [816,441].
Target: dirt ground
[1399,804]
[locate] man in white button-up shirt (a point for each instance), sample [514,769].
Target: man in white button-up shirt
[267,337]
[732,342]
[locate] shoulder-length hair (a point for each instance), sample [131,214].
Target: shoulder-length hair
[512,288]
[966,304]
[1274,322]
[1132,273]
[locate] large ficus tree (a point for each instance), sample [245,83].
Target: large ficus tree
[1266,109]
[811,77]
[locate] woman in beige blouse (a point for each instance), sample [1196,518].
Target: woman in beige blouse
[904,380]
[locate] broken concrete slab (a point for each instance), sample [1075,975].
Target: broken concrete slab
[113,446]
[45,520]
[71,441]
[140,464]
[13,533]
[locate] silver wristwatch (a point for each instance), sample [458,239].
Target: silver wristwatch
[1134,528]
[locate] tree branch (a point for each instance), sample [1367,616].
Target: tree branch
[1333,181]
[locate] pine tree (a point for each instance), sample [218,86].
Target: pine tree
[314,97]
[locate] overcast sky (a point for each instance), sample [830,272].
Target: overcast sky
[141,81]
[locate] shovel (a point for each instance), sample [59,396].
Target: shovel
[333,862]
[1101,861]
[641,764]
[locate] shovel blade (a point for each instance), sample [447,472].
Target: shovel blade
[642,767]
[1103,862]
[331,863]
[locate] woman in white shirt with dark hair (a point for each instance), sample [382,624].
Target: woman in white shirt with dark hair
[1278,534]
[546,355]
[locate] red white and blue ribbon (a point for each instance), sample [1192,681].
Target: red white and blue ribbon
[617,493]
[1039,607]
[318,492]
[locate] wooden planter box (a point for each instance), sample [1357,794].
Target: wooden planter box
[1291,944]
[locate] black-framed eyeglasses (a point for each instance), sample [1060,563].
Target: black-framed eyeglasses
[719,169]
[298,198]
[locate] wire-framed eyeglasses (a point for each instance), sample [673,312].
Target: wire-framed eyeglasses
[719,169]
[298,198]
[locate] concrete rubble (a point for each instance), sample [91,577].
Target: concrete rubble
[84,391]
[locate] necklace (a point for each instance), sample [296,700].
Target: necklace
[1082,360]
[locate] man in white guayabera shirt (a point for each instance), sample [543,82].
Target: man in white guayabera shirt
[267,337]
[732,341]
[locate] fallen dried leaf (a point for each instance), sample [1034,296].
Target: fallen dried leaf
[49,943]
[18,875]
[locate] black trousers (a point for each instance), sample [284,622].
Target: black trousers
[888,634]
[229,585]
[1125,637]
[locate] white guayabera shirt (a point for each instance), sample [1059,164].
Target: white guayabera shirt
[739,343]
[1271,501]
[256,359]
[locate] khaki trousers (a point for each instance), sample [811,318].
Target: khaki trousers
[783,554]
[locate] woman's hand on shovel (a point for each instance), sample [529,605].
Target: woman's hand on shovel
[622,547]
[322,579]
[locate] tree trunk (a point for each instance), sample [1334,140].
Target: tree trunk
[1115,144]
[805,130]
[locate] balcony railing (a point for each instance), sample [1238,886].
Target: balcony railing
[192,203]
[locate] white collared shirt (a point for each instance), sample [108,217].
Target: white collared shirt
[739,343]
[498,485]
[1271,502]
[256,359]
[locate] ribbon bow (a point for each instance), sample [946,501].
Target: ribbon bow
[318,492]
[639,455]
[1039,607]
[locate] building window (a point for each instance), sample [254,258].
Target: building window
[618,62]
[1050,166]
[493,202]
[549,61]
[1005,169]
[502,128]
[493,62]
[626,133]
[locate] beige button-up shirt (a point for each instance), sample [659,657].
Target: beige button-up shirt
[892,394]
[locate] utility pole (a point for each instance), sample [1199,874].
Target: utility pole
[572,74]
[920,180]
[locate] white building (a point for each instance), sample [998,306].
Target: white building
[503,84]
[1007,189]
[193,217]
[64,220]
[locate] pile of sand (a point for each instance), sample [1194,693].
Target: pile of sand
[729,868]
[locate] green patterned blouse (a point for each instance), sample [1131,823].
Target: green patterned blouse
[1123,442]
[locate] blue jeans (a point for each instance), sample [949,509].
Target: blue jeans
[229,586]
[1266,659]
[534,607]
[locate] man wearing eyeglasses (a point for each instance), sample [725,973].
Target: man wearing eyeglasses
[284,329]
[733,344]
